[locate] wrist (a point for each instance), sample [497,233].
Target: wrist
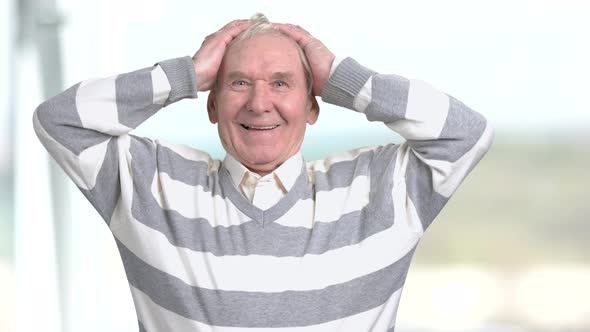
[198,76]
[181,77]
[345,83]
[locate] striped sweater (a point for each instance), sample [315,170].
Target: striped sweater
[332,255]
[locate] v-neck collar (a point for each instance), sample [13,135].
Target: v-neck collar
[298,191]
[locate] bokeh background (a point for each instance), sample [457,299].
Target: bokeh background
[509,253]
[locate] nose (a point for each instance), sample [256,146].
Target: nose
[260,99]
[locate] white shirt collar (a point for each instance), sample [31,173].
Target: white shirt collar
[286,174]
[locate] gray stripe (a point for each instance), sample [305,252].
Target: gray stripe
[194,173]
[389,98]
[428,202]
[105,194]
[59,117]
[345,83]
[462,129]
[135,97]
[392,329]
[182,78]
[265,309]
[276,240]
[341,174]
[191,172]
[141,327]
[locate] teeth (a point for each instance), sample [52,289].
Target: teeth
[260,128]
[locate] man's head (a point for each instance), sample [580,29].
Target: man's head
[262,99]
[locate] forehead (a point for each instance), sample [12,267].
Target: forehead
[263,54]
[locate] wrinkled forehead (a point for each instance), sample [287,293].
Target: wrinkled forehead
[273,47]
[264,47]
[263,52]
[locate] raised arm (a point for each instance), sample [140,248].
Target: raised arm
[444,138]
[85,128]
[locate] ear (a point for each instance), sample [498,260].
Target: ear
[212,107]
[314,111]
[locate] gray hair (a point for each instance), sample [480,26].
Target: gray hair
[263,26]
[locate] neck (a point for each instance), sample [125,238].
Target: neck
[261,172]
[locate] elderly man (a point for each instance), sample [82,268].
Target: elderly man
[263,239]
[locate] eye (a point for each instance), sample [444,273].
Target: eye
[280,84]
[239,83]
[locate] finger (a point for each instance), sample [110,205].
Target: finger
[228,32]
[293,27]
[234,28]
[300,35]
[232,23]
[207,38]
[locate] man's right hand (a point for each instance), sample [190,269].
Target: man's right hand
[208,58]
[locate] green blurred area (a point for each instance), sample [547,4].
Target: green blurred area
[525,203]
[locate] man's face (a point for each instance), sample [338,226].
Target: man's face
[261,103]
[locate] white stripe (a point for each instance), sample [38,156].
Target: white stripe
[155,318]
[125,176]
[325,164]
[82,169]
[426,113]
[190,153]
[331,205]
[97,106]
[349,199]
[447,176]
[258,272]
[160,85]
[300,215]
[401,163]
[363,99]
[405,210]
[194,202]
[90,162]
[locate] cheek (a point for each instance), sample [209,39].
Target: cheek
[295,114]
[227,110]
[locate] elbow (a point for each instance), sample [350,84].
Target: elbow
[38,114]
[57,111]
[43,119]
[490,133]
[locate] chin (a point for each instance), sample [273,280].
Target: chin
[266,161]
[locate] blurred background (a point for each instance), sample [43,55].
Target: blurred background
[509,253]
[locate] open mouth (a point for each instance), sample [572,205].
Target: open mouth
[258,128]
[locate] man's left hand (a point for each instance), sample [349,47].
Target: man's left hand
[318,55]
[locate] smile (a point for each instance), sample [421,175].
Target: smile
[259,128]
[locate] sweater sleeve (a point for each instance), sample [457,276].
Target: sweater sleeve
[85,128]
[444,138]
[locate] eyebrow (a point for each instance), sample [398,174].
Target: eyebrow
[287,76]
[235,74]
[277,75]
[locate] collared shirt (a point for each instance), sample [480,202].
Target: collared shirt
[264,191]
